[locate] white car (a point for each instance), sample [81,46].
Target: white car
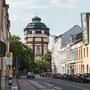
[30,75]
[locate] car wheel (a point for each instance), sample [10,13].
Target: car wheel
[78,81]
[82,81]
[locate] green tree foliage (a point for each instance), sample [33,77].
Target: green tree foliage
[20,49]
[47,57]
[44,64]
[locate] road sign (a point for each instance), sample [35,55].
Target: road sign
[8,55]
[9,59]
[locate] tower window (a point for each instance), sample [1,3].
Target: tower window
[38,31]
[38,50]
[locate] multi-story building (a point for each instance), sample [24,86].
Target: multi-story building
[74,48]
[78,54]
[36,35]
[72,53]
[4,40]
[67,44]
[61,47]
[85,22]
[56,63]
[63,59]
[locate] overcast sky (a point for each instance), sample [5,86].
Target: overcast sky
[58,15]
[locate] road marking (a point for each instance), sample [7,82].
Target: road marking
[49,84]
[68,84]
[37,84]
[80,87]
[58,88]
[73,86]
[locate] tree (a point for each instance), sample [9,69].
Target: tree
[20,49]
[47,57]
[44,64]
[41,66]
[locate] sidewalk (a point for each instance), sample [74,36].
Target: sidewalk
[25,85]
[8,87]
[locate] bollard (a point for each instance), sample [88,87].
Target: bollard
[14,88]
[10,81]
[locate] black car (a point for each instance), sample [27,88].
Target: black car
[30,75]
[84,78]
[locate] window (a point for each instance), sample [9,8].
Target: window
[38,31]
[87,51]
[87,68]
[81,52]
[77,54]
[38,50]
[84,52]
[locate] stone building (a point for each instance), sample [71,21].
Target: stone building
[4,40]
[36,35]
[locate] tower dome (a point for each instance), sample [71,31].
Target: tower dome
[36,18]
[37,24]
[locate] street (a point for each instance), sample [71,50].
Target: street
[42,83]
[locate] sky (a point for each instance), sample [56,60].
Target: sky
[58,15]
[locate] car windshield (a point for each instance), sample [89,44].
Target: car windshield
[30,73]
[87,75]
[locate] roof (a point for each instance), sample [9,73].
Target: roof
[36,18]
[37,24]
[66,36]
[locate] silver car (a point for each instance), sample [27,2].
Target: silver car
[30,75]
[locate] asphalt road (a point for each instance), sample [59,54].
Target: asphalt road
[56,84]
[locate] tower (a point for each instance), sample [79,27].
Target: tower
[36,35]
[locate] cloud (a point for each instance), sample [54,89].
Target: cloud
[34,4]
[28,4]
[69,4]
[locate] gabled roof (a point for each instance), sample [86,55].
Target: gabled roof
[66,36]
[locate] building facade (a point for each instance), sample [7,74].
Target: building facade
[36,36]
[68,57]
[78,54]
[85,22]
[56,61]
[64,61]
[4,40]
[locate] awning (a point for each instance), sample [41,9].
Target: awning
[2,49]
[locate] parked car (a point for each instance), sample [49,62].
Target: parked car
[30,75]
[56,75]
[41,74]
[49,74]
[75,77]
[66,77]
[85,77]
[44,74]
[70,77]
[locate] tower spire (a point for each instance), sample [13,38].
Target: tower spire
[36,14]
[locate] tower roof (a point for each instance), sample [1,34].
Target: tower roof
[37,24]
[36,18]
